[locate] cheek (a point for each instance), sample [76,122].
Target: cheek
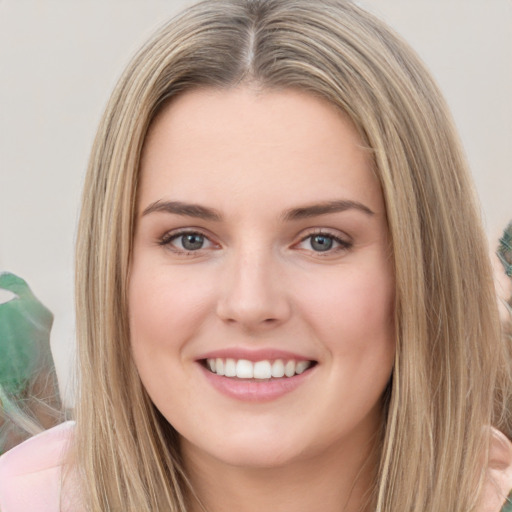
[161,316]
[164,304]
[358,306]
[353,318]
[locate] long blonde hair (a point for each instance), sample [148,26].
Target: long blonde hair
[450,378]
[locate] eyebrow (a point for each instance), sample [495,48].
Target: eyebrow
[185,209]
[304,212]
[326,208]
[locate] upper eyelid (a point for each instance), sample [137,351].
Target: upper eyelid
[344,242]
[304,235]
[338,240]
[172,235]
[334,233]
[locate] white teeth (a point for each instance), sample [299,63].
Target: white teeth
[244,369]
[230,368]
[301,367]
[219,366]
[262,370]
[278,368]
[289,369]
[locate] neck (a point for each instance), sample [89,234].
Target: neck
[340,481]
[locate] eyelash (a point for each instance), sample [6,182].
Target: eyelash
[343,245]
[168,238]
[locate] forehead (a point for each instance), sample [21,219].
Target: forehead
[280,144]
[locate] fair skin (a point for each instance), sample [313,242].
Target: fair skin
[261,237]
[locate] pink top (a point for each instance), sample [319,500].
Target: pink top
[31,474]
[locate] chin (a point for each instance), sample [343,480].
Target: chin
[257,458]
[250,452]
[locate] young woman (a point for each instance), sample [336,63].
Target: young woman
[283,291]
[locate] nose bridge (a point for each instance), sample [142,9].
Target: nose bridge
[253,294]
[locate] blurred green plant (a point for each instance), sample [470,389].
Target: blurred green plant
[508,504]
[25,325]
[505,250]
[28,387]
[504,253]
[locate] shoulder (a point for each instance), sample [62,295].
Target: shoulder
[499,474]
[30,473]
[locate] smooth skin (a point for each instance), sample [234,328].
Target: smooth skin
[261,225]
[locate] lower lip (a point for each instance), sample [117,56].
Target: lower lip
[252,390]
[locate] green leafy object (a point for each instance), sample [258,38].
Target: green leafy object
[25,325]
[508,504]
[505,250]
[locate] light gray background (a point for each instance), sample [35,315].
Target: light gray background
[60,59]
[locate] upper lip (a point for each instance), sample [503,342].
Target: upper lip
[253,354]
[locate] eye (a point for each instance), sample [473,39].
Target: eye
[324,243]
[321,243]
[186,241]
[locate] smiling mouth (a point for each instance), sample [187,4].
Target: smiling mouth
[257,370]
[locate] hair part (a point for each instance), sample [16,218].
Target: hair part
[449,360]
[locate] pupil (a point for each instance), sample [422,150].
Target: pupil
[192,242]
[321,243]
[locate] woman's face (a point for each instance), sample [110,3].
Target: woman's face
[261,248]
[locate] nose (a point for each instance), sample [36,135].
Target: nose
[253,292]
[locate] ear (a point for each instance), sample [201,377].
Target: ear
[498,482]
